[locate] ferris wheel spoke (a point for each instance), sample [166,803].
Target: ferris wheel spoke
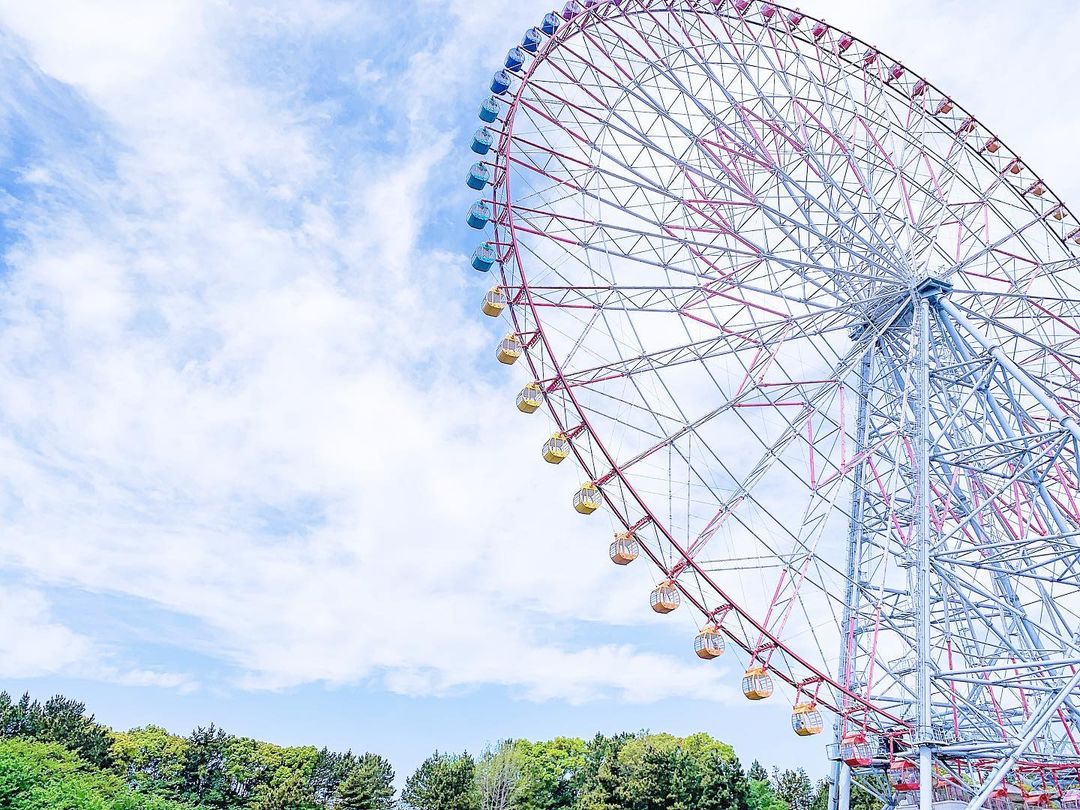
[747,339]
[750,145]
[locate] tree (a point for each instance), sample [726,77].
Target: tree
[794,788]
[369,785]
[499,776]
[757,772]
[47,776]
[662,772]
[205,779]
[724,785]
[22,719]
[762,796]
[151,761]
[328,772]
[59,720]
[290,794]
[664,778]
[443,782]
[553,773]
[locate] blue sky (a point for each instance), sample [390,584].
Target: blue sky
[257,465]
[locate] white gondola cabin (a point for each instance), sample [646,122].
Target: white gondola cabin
[509,350]
[530,398]
[709,643]
[665,597]
[556,449]
[806,719]
[494,303]
[757,683]
[587,499]
[624,549]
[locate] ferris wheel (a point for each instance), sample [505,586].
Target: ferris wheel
[810,331]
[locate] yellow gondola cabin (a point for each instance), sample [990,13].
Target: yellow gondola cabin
[587,500]
[509,350]
[494,303]
[530,398]
[556,449]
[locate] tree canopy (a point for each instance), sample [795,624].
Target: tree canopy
[56,756]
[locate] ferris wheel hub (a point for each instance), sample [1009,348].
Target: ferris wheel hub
[933,287]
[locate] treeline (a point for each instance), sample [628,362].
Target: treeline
[54,755]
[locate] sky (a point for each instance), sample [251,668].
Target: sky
[258,466]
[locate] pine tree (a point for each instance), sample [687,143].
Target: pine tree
[292,794]
[443,782]
[369,785]
[757,772]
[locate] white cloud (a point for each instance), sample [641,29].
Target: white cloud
[243,386]
[31,643]
[272,417]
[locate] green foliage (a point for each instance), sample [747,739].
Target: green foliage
[46,776]
[328,773]
[500,776]
[443,782]
[206,782]
[59,720]
[553,772]
[762,796]
[861,800]
[724,785]
[291,793]
[757,772]
[151,760]
[794,788]
[662,772]
[369,785]
[53,756]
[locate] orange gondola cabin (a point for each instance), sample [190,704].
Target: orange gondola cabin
[806,719]
[665,597]
[624,550]
[709,643]
[757,683]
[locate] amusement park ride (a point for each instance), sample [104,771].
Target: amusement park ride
[810,331]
